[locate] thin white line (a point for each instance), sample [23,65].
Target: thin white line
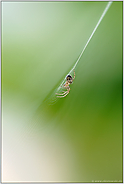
[103,14]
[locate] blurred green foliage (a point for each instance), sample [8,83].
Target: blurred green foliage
[40,43]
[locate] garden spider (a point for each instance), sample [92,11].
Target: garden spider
[69,80]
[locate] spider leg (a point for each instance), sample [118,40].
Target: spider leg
[65,85]
[66,92]
[74,75]
[62,93]
[62,96]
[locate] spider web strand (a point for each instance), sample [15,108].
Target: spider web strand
[103,14]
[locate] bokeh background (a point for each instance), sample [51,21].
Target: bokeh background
[77,138]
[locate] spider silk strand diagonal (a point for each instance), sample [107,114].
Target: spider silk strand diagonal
[103,14]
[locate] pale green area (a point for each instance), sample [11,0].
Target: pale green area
[41,41]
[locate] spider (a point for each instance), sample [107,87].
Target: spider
[69,80]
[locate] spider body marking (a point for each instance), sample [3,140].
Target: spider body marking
[69,80]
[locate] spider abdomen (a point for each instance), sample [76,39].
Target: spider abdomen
[69,79]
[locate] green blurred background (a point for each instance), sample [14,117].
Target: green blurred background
[77,138]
